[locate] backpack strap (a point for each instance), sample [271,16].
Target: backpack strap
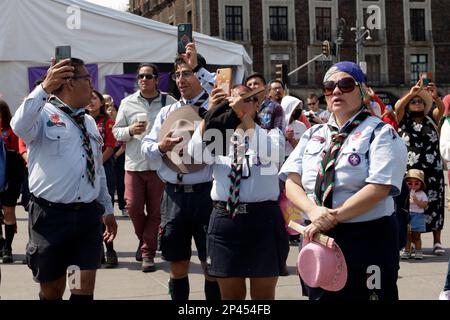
[163,99]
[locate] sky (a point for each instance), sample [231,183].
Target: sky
[115,4]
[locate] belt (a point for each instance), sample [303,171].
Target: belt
[189,188]
[65,206]
[243,208]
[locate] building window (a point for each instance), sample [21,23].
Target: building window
[233,23]
[417,22]
[419,63]
[278,21]
[189,16]
[323,24]
[373,68]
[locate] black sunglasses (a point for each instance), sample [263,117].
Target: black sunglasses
[346,85]
[146,76]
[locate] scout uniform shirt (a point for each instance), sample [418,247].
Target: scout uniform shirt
[259,180]
[56,157]
[359,162]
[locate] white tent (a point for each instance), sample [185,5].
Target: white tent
[30,30]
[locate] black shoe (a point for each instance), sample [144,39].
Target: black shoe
[138,252]
[111,259]
[7,256]
[148,265]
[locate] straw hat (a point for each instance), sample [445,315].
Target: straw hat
[417,174]
[427,98]
[181,123]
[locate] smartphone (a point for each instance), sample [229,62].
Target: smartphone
[62,52]
[184,36]
[223,79]
[426,78]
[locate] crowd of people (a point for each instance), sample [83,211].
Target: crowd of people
[350,168]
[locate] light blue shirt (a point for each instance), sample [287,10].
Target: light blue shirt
[359,163]
[265,154]
[150,150]
[56,158]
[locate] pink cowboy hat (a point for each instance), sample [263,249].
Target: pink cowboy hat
[322,266]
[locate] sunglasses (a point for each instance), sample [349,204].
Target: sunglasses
[312,103]
[146,76]
[346,85]
[184,74]
[413,184]
[417,101]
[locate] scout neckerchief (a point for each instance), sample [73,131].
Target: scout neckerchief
[201,113]
[78,119]
[323,189]
[235,177]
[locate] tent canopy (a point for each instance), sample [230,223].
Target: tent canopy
[32,28]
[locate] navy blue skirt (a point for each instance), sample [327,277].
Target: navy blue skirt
[252,245]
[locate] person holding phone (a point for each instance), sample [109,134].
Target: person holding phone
[143,187]
[186,204]
[67,181]
[418,128]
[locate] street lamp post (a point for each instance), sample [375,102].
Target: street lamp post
[360,32]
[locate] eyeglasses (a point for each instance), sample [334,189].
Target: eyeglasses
[277,88]
[346,85]
[86,77]
[417,101]
[184,74]
[413,183]
[147,76]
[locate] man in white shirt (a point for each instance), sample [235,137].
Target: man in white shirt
[142,185]
[67,182]
[186,204]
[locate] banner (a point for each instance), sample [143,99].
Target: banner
[36,73]
[120,86]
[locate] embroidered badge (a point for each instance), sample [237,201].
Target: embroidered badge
[354,159]
[318,138]
[356,136]
[55,120]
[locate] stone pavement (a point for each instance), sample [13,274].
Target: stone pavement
[417,279]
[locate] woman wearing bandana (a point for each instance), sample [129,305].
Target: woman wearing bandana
[343,175]
[417,127]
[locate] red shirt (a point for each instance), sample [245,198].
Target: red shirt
[22,146]
[104,125]
[11,140]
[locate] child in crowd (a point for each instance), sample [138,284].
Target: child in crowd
[418,202]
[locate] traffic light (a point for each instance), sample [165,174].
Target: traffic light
[281,73]
[326,49]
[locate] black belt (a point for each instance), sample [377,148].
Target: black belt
[64,206]
[189,188]
[244,208]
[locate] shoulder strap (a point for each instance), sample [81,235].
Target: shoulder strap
[163,99]
[375,130]
[372,136]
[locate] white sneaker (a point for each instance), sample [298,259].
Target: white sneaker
[445,295]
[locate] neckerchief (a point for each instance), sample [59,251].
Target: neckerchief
[323,189]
